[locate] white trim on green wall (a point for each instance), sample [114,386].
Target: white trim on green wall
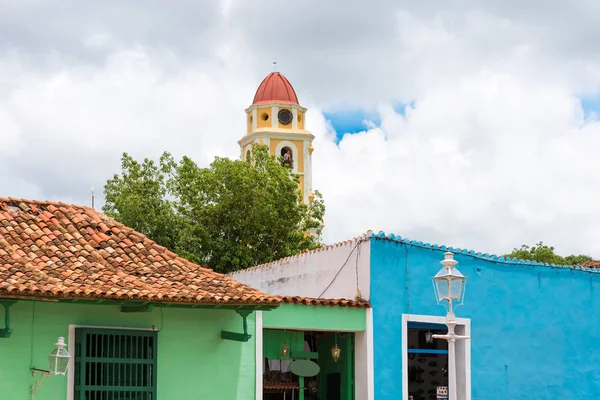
[259,355]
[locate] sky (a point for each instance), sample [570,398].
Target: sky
[470,123]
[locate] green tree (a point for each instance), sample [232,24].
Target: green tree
[542,253]
[138,199]
[229,216]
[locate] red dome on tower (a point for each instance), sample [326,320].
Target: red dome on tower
[275,88]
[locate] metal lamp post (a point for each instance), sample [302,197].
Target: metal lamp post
[449,286]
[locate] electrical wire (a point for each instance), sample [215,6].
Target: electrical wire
[342,267]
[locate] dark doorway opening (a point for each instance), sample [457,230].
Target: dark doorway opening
[427,360]
[335,379]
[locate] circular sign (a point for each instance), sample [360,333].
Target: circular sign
[305,368]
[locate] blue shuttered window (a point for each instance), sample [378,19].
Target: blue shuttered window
[114,364]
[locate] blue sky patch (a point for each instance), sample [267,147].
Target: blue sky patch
[353,120]
[591,105]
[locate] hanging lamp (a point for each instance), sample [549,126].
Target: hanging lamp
[285,349]
[336,352]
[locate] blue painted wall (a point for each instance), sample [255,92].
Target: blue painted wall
[535,329]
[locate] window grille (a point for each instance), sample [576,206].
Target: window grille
[114,364]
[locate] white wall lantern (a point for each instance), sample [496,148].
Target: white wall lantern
[58,361]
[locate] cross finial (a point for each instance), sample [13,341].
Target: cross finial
[274,64]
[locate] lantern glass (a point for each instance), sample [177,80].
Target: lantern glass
[58,359]
[336,352]
[285,350]
[428,337]
[449,283]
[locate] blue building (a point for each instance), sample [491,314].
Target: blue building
[532,325]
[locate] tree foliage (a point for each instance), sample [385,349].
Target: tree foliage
[231,215]
[542,253]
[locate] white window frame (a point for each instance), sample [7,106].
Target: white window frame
[71,350]
[463,351]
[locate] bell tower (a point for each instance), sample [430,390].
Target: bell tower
[276,119]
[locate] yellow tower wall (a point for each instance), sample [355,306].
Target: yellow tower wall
[300,120]
[260,112]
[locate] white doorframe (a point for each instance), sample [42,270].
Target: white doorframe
[462,323]
[258,338]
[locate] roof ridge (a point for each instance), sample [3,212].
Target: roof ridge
[355,239]
[484,256]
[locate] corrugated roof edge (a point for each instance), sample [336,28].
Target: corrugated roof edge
[484,256]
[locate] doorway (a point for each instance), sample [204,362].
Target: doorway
[427,360]
[335,380]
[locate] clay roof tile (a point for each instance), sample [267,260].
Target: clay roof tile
[70,251]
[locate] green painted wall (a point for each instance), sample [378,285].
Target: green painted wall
[193,361]
[295,316]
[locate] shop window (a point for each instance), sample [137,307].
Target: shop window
[115,364]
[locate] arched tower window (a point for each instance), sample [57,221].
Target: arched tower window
[247,155]
[288,157]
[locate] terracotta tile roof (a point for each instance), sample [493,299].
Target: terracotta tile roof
[594,264]
[326,302]
[58,250]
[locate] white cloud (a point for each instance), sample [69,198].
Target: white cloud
[494,151]
[491,161]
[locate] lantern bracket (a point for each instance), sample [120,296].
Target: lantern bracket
[7,331]
[239,337]
[45,374]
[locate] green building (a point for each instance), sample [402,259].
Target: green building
[141,323]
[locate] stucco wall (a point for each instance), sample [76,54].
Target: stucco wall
[309,274]
[193,361]
[534,328]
